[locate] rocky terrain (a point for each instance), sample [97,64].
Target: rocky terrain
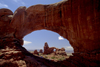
[49,50]
[76,20]
[51,53]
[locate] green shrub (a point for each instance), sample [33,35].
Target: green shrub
[62,58]
[52,57]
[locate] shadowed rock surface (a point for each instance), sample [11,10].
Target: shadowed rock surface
[76,20]
[36,52]
[40,51]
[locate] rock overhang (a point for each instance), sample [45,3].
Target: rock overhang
[67,18]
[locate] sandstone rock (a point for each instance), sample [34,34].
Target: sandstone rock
[8,64]
[46,46]
[50,50]
[73,24]
[60,51]
[76,20]
[17,57]
[36,52]
[47,49]
[41,51]
[6,16]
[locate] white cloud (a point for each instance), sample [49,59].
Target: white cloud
[60,38]
[27,42]
[69,48]
[19,2]
[3,5]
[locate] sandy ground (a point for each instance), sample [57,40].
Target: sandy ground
[54,57]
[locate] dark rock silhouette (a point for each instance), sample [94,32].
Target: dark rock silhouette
[36,52]
[76,20]
[49,50]
[46,47]
[41,51]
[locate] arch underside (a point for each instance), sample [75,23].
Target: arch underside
[76,20]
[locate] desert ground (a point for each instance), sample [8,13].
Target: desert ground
[52,56]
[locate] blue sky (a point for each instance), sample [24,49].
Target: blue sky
[36,39]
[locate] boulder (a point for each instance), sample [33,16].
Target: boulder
[62,49]
[36,52]
[41,51]
[60,52]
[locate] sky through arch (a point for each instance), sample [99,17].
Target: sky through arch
[36,40]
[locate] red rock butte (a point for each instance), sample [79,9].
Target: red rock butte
[76,20]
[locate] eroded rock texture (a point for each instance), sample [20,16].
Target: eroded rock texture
[50,50]
[47,49]
[40,51]
[60,51]
[76,20]
[36,52]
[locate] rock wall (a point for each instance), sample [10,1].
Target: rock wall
[76,20]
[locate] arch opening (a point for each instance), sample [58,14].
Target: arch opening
[35,43]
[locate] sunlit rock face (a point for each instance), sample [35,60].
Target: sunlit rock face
[76,20]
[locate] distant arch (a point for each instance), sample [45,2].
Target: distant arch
[39,38]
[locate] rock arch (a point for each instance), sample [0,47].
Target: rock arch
[68,18]
[76,20]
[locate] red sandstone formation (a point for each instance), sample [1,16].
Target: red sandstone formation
[47,49]
[36,52]
[60,51]
[12,54]
[76,20]
[41,51]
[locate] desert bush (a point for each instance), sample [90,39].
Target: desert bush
[45,57]
[62,58]
[52,57]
